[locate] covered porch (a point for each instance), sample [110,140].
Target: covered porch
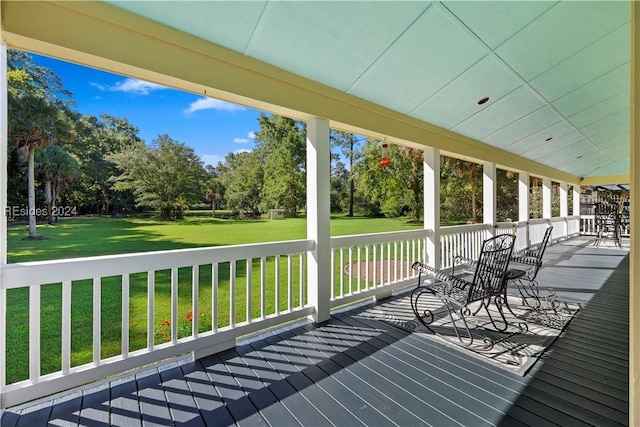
[355,370]
[545,122]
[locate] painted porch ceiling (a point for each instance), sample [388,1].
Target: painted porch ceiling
[555,70]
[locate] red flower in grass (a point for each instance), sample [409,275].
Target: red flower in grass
[189,316]
[166,323]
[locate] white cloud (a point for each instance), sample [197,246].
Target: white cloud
[132,86]
[212,104]
[251,135]
[240,140]
[212,159]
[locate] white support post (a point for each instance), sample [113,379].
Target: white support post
[4,207]
[431,159]
[634,219]
[489,195]
[546,198]
[523,203]
[564,209]
[576,199]
[318,217]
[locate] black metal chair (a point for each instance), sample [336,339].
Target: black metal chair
[484,283]
[523,270]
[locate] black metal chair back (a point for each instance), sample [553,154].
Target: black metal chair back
[490,275]
[534,257]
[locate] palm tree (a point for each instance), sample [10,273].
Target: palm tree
[56,167]
[34,123]
[214,192]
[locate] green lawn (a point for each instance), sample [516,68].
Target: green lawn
[80,237]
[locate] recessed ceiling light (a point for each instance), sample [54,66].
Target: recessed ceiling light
[549,139]
[483,100]
[579,157]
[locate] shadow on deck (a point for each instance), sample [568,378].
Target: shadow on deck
[357,371]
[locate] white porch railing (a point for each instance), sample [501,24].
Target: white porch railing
[247,288]
[249,306]
[461,240]
[374,264]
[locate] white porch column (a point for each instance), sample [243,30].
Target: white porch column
[431,159]
[3,206]
[564,208]
[489,195]
[318,217]
[634,217]
[546,198]
[524,181]
[576,199]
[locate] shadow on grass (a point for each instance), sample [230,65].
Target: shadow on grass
[85,237]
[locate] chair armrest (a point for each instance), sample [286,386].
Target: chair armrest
[438,275]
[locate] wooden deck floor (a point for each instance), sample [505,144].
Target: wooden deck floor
[353,371]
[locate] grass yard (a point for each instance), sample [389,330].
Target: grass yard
[81,237]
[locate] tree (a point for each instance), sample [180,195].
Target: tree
[339,186]
[37,104]
[469,173]
[214,188]
[242,176]
[34,123]
[348,143]
[97,138]
[281,143]
[163,176]
[57,168]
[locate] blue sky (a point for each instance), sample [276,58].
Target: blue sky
[211,127]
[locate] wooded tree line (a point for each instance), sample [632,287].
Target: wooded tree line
[99,165]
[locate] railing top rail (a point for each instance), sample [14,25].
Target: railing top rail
[465,228]
[54,271]
[535,221]
[363,239]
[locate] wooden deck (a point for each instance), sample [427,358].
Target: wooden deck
[352,371]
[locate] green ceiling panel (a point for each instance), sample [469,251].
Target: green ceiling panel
[493,116]
[540,152]
[524,127]
[618,167]
[601,110]
[597,91]
[227,23]
[612,51]
[608,124]
[323,41]
[559,33]
[495,21]
[458,100]
[569,152]
[430,54]
[434,61]
[538,140]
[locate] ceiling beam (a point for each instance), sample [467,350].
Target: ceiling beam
[605,180]
[102,36]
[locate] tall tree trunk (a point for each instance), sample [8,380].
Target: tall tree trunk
[352,186]
[48,196]
[352,190]
[32,192]
[213,208]
[474,216]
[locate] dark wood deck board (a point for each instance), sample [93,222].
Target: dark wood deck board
[354,370]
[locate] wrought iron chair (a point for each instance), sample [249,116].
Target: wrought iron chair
[523,270]
[484,283]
